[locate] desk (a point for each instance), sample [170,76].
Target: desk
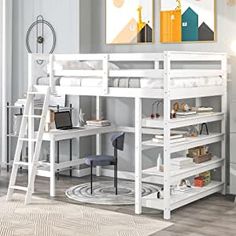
[58,135]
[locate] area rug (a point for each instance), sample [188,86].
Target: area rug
[104,193]
[52,218]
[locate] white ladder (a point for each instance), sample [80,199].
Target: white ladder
[35,142]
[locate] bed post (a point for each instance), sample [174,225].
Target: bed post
[105,74]
[224,121]
[98,136]
[167,153]
[51,75]
[138,155]
[31,82]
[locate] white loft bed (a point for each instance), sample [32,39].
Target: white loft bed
[166,68]
[105,78]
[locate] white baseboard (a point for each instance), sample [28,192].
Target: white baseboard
[77,172]
[121,174]
[104,172]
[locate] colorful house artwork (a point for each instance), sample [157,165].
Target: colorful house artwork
[189,25]
[205,33]
[171,26]
[187,20]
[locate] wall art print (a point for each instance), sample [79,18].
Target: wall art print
[129,21]
[187,21]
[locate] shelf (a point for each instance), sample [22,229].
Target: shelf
[176,175]
[187,144]
[184,121]
[178,200]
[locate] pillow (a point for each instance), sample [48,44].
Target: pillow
[97,65]
[76,65]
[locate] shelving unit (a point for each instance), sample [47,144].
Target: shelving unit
[172,176]
[11,135]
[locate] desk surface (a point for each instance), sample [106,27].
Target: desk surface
[58,135]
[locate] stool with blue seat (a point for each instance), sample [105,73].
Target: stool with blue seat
[117,141]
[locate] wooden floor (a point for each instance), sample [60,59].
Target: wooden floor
[213,216]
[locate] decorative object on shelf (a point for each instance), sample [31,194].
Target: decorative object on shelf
[185,107]
[49,124]
[204,125]
[136,25]
[45,41]
[203,179]
[183,110]
[81,121]
[200,154]
[193,131]
[173,114]
[190,20]
[155,104]
[198,182]
[176,107]
[183,186]
[16,123]
[159,162]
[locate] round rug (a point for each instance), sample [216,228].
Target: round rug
[104,192]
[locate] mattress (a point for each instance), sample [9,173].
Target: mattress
[136,82]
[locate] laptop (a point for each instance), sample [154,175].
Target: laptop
[63,121]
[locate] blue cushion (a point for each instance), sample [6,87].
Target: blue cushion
[99,160]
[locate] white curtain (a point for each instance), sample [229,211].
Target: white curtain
[6,70]
[1,64]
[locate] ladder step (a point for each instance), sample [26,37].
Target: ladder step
[33,116]
[21,188]
[21,163]
[29,140]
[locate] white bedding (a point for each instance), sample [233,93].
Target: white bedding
[137,83]
[125,82]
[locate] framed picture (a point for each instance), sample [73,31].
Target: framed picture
[129,22]
[187,21]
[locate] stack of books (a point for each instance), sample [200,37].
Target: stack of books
[22,102]
[174,138]
[185,113]
[98,123]
[182,162]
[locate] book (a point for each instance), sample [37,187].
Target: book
[172,136]
[185,114]
[172,141]
[181,161]
[98,123]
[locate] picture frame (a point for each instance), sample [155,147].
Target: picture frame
[129,22]
[187,21]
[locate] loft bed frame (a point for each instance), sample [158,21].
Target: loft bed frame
[162,67]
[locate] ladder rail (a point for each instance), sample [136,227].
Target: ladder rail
[33,164]
[37,149]
[19,146]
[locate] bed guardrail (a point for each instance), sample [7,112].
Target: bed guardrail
[157,71]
